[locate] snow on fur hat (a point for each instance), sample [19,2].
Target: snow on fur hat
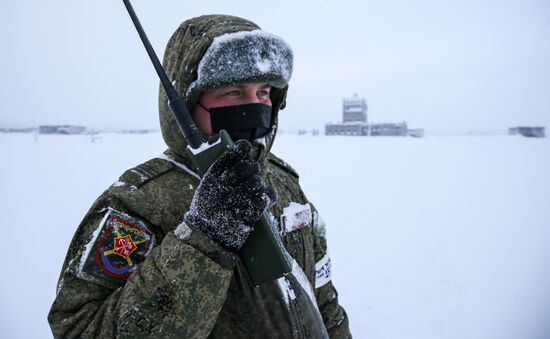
[243,57]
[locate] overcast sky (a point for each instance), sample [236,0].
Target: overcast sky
[440,65]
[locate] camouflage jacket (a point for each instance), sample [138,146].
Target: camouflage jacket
[127,275]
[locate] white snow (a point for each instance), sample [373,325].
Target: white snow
[141,176]
[296,216]
[203,147]
[285,285]
[286,289]
[432,238]
[91,242]
[118,183]
[180,165]
[263,66]
[319,224]
[301,277]
[183,231]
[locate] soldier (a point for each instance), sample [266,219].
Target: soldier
[155,256]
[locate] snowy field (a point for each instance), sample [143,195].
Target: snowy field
[433,238]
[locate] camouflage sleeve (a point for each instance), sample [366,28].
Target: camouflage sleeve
[334,316]
[177,290]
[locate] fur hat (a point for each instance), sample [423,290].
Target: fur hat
[243,57]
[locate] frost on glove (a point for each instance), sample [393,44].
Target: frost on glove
[230,198]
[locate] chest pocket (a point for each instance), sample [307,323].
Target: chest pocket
[297,232]
[295,217]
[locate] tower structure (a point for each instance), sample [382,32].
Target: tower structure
[354,109]
[354,118]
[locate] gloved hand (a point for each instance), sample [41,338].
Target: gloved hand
[230,197]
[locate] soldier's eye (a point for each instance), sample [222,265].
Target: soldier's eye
[264,92]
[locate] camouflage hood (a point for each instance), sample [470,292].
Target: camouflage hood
[182,63]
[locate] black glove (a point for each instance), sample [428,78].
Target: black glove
[230,197]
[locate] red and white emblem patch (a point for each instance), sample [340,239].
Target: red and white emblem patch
[119,244]
[124,246]
[295,216]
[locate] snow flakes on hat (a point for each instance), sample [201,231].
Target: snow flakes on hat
[244,57]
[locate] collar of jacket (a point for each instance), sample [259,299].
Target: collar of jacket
[259,153]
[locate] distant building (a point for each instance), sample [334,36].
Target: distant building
[354,111]
[16,129]
[415,132]
[533,132]
[313,132]
[389,129]
[61,129]
[354,122]
[346,129]
[139,131]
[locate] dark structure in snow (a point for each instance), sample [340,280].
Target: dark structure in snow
[532,132]
[389,129]
[346,129]
[355,109]
[16,129]
[354,122]
[415,132]
[354,118]
[61,129]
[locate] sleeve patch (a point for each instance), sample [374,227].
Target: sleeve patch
[118,245]
[295,216]
[323,271]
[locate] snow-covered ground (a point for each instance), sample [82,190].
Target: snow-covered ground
[433,238]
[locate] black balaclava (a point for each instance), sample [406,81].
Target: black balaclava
[249,121]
